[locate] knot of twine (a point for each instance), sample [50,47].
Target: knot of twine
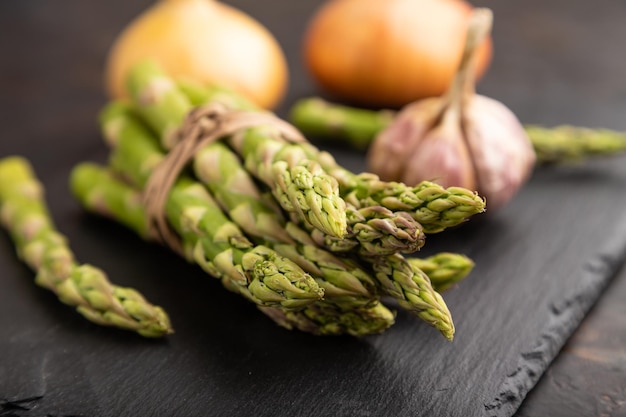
[202,126]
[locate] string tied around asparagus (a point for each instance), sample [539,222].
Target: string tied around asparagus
[203,125]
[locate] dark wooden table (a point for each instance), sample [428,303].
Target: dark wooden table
[555,62]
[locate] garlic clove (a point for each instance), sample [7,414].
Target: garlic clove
[389,153]
[501,151]
[442,156]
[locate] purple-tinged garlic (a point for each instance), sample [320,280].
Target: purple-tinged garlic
[460,139]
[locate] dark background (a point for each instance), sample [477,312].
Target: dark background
[541,263]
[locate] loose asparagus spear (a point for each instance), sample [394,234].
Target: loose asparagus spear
[300,185]
[572,143]
[25,215]
[358,127]
[355,126]
[210,238]
[103,193]
[443,269]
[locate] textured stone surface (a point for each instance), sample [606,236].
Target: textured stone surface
[541,262]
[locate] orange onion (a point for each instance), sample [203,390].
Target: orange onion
[205,40]
[388,53]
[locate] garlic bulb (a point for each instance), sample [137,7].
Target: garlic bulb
[460,139]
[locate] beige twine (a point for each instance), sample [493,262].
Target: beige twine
[202,126]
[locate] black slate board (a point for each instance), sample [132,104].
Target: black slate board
[541,262]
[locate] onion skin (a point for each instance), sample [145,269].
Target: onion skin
[207,41]
[388,53]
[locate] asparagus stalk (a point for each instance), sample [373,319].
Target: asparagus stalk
[355,126]
[325,318]
[572,143]
[412,289]
[199,94]
[210,238]
[25,215]
[443,269]
[299,184]
[358,128]
[220,247]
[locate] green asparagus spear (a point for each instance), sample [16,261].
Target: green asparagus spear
[413,291]
[299,184]
[571,143]
[210,238]
[354,126]
[436,208]
[375,231]
[358,128]
[46,251]
[325,318]
[199,94]
[443,269]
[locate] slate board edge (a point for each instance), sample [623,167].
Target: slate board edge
[565,316]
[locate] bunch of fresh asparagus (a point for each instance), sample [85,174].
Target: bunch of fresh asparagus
[313,245]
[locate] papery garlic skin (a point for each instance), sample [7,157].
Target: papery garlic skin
[501,150]
[389,153]
[442,156]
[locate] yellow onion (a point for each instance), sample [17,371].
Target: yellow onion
[459,139]
[206,40]
[388,53]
